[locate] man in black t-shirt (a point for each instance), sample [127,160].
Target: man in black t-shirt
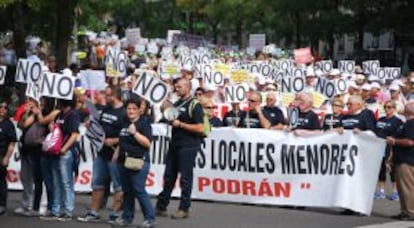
[358,118]
[105,167]
[254,117]
[185,143]
[273,113]
[308,120]
[403,159]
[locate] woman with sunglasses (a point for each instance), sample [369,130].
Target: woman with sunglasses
[387,126]
[208,107]
[332,121]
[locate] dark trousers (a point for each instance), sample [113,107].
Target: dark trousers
[38,179]
[179,160]
[3,185]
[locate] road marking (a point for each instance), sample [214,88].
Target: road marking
[390,225]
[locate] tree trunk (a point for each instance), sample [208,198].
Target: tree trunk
[239,35]
[331,43]
[298,31]
[19,31]
[65,16]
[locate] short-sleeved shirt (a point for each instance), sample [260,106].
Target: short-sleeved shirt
[308,121]
[364,120]
[274,115]
[387,126]
[249,119]
[69,123]
[7,135]
[111,121]
[331,121]
[404,154]
[231,117]
[128,145]
[181,137]
[215,122]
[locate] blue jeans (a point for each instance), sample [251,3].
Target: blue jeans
[63,183]
[104,170]
[46,166]
[179,159]
[133,186]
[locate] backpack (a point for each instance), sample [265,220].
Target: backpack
[206,122]
[53,141]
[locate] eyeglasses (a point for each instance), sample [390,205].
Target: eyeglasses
[348,104]
[209,107]
[337,105]
[199,94]
[252,101]
[388,107]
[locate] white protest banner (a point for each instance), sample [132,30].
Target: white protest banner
[132,36]
[263,68]
[93,79]
[33,91]
[233,94]
[346,66]
[325,87]
[28,71]
[325,66]
[116,63]
[303,55]
[371,66]
[151,88]
[292,84]
[3,70]
[57,85]
[262,167]
[257,41]
[152,48]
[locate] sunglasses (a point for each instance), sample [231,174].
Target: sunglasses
[3,106]
[209,107]
[252,101]
[199,94]
[388,107]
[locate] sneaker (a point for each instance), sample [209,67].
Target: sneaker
[49,217]
[161,213]
[31,213]
[21,210]
[65,218]
[147,224]
[112,218]
[89,217]
[379,195]
[394,196]
[121,222]
[180,214]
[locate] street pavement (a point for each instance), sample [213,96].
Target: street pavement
[206,214]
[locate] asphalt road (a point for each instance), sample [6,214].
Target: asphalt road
[214,214]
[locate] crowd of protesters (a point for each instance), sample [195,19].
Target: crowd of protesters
[383,107]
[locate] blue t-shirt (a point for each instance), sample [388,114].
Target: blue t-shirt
[69,123]
[111,121]
[404,154]
[387,126]
[128,145]
[308,121]
[232,118]
[365,120]
[250,119]
[215,122]
[331,121]
[181,137]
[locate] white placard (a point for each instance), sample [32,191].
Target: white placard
[93,79]
[233,94]
[133,36]
[293,84]
[346,66]
[325,66]
[257,41]
[325,87]
[116,63]
[371,66]
[28,71]
[57,85]
[151,88]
